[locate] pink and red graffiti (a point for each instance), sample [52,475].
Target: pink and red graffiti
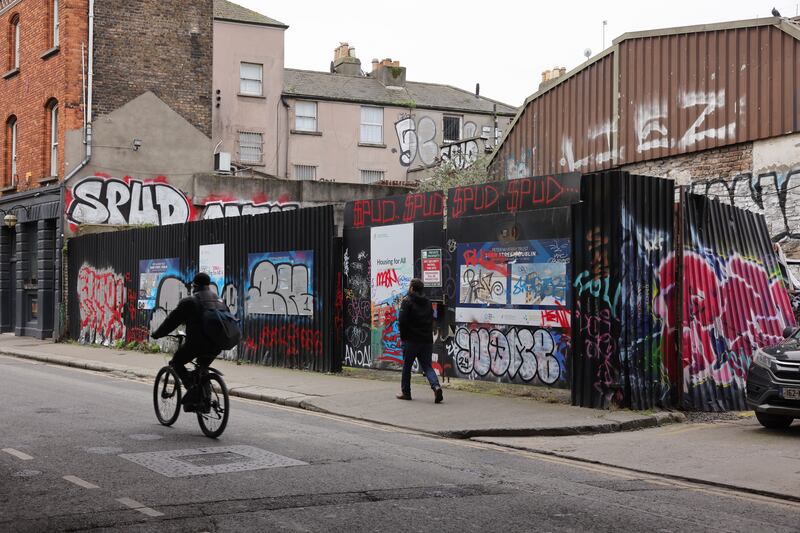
[392,345]
[291,339]
[101,298]
[387,278]
[727,315]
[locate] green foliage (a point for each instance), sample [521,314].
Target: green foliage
[446,176]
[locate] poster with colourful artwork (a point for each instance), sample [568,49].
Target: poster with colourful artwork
[391,270]
[151,272]
[212,262]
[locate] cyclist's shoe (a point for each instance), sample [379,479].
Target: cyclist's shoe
[205,404]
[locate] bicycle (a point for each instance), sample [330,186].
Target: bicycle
[212,414]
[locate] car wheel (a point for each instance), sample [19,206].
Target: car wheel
[774,421]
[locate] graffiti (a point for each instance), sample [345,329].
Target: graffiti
[417,140]
[104,200]
[515,195]
[479,286]
[358,310]
[395,209]
[361,357]
[356,336]
[516,353]
[731,308]
[652,132]
[387,278]
[605,132]
[487,259]
[600,346]
[280,289]
[215,210]
[390,335]
[289,339]
[101,296]
[520,168]
[346,263]
[464,153]
[602,288]
[776,194]
[539,284]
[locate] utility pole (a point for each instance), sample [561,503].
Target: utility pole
[605,23]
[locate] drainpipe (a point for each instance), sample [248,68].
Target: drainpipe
[288,135]
[87,112]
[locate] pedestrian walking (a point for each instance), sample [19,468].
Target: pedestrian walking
[416,332]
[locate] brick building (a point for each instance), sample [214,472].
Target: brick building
[87,89]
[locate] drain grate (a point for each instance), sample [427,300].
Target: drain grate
[203,461]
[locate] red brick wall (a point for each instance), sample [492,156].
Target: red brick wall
[26,94]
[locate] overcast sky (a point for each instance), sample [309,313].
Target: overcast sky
[502,44]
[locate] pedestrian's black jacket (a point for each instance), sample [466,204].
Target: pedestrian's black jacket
[190,312]
[416,319]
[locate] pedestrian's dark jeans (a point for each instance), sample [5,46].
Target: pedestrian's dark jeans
[421,351]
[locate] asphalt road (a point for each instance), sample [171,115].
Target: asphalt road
[83,452]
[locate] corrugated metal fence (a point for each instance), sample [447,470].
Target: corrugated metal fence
[623,348]
[734,301]
[278,272]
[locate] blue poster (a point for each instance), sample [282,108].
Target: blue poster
[502,283]
[151,272]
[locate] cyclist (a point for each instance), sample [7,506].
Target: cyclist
[197,344]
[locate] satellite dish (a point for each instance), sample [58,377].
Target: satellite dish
[587,53]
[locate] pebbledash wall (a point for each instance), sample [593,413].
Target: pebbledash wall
[276,271]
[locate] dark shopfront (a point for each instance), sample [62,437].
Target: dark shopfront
[30,262]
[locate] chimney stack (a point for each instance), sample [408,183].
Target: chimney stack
[389,72]
[345,61]
[549,76]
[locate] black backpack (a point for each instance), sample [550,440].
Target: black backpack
[221,327]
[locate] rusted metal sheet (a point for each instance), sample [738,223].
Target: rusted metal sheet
[568,128]
[659,94]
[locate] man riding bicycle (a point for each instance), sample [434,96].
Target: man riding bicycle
[197,344]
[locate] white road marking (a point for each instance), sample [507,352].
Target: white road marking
[18,454]
[136,506]
[81,483]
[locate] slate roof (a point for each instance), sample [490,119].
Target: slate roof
[224,10]
[326,86]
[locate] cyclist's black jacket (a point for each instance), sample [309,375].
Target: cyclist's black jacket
[190,312]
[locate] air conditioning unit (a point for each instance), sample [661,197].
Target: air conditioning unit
[222,162]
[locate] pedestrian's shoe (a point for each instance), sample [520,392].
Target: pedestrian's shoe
[402,396]
[437,393]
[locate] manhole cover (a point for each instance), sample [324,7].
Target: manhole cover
[200,461]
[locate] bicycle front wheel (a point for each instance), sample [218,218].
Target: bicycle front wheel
[213,415]
[167,396]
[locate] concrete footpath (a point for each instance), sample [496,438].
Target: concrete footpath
[461,415]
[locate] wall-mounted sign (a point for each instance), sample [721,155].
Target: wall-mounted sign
[432,267]
[212,262]
[151,272]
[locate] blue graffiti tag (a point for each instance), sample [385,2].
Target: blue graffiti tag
[599,288]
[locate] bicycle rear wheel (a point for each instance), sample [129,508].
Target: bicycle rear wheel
[167,396]
[217,403]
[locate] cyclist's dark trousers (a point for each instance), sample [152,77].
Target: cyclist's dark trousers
[186,353]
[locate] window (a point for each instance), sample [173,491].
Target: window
[372,125]
[52,122]
[11,152]
[305,118]
[250,147]
[305,172]
[250,79]
[452,129]
[55,23]
[371,176]
[13,38]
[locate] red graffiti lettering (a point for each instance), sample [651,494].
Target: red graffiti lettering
[291,339]
[477,199]
[387,278]
[487,259]
[423,205]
